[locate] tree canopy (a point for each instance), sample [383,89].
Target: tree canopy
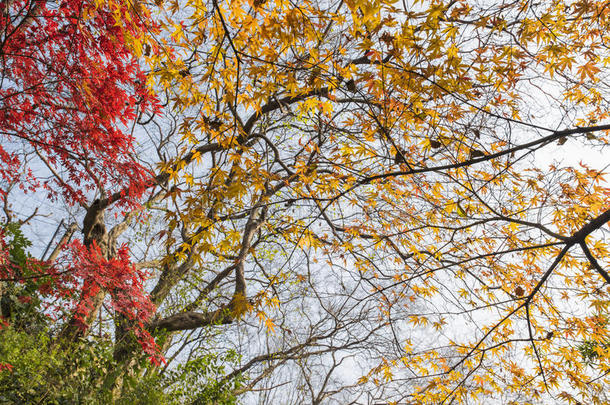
[324,201]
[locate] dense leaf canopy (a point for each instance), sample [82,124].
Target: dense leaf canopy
[348,201]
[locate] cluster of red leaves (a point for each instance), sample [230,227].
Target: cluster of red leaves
[69,86]
[91,274]
[87,274]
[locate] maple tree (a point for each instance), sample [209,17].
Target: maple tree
[347,194]
[70,86]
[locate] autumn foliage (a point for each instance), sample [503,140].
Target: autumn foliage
[358,200]
[70,89]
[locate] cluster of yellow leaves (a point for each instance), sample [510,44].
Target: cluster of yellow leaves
[369,131]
